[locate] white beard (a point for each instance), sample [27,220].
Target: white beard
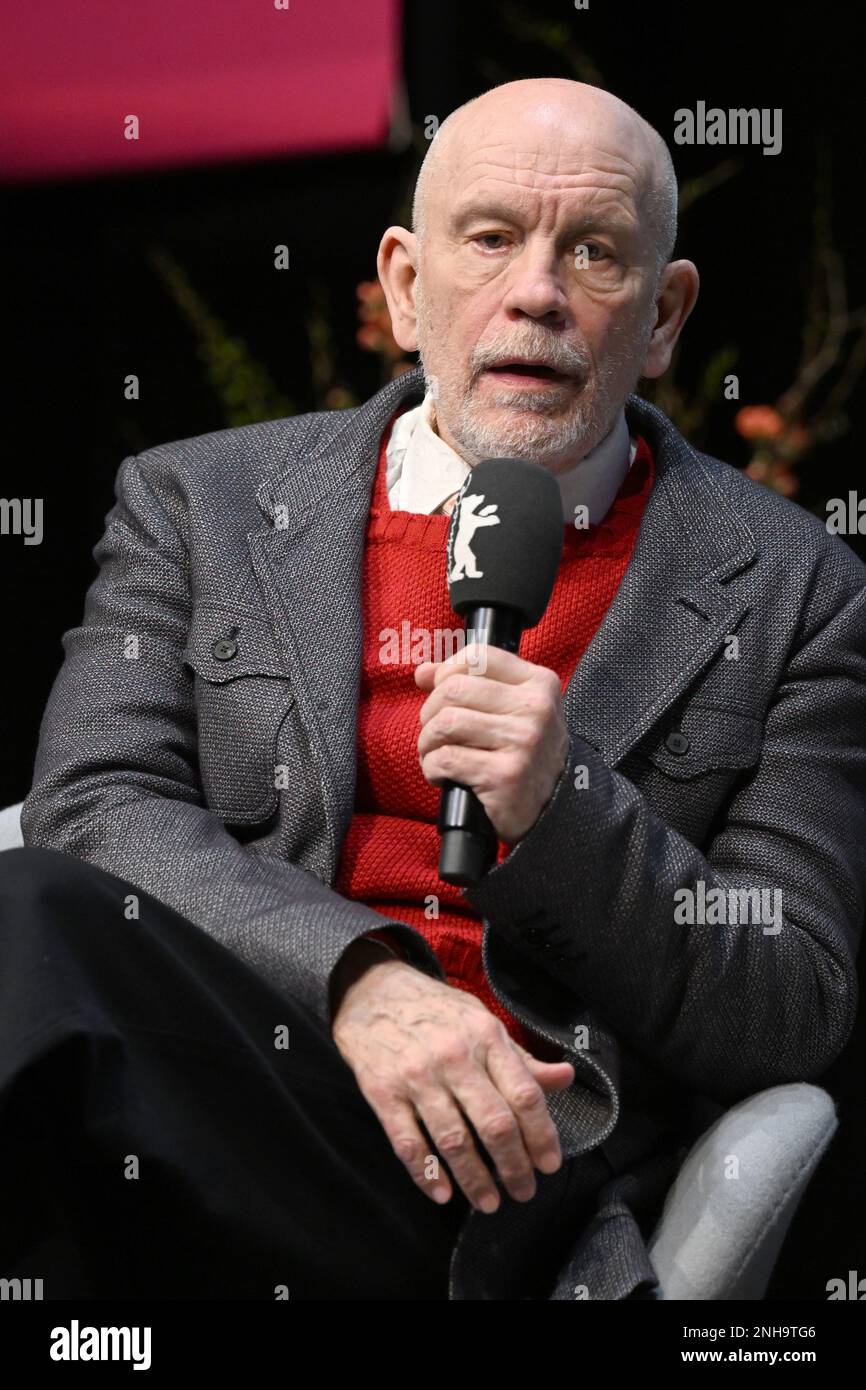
[537,429]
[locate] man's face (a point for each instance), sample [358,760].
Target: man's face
[538,253]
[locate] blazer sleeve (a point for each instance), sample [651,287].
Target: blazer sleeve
[725,1009]
[116,783]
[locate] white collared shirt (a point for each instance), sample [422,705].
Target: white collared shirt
[422,471]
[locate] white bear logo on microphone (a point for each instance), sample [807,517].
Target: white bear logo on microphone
[469,520]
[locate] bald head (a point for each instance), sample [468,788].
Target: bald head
[587,117]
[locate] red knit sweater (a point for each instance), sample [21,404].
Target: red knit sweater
[389,858]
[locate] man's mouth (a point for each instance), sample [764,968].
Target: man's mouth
[526,371]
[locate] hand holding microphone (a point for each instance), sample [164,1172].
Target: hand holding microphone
[495,742]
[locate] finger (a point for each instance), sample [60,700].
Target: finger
[513,1078]
[460,692]
[472,660]
[411,1146]
[449,1131]
[425,673]
[498,1127]
[537,700]
[493,661]
[469,728]
[482,769]
[551,1076]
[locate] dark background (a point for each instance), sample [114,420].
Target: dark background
[83,307]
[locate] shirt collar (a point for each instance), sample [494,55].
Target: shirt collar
[422,471]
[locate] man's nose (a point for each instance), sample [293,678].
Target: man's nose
[535,286]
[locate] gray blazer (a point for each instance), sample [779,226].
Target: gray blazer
[719,714]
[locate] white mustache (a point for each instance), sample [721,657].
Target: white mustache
[572,364]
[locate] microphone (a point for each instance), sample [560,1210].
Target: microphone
[504,549]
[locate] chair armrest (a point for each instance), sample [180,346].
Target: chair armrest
[727,1214]
[10,827]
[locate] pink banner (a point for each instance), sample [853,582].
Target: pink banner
[195,82]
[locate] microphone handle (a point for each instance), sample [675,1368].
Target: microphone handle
[469,839]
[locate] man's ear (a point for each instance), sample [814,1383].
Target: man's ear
[675,299]
[396,265]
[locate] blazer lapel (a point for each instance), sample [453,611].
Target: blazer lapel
[672,610]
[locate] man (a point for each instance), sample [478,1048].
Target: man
[420,1091]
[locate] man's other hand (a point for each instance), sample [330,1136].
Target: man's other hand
[421,1049]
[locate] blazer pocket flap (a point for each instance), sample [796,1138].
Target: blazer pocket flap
[243,694]
[704,737]
[225,643]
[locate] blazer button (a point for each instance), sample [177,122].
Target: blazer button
[534,935]
[224,648]
[677,742]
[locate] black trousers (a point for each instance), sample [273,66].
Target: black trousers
[155,1143]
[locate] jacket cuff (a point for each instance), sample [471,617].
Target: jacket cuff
[387,939]
[519,886]
[407,944]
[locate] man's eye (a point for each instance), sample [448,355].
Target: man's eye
[491,236]
[589,251]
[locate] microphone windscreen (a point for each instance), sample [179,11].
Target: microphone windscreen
[505,538]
